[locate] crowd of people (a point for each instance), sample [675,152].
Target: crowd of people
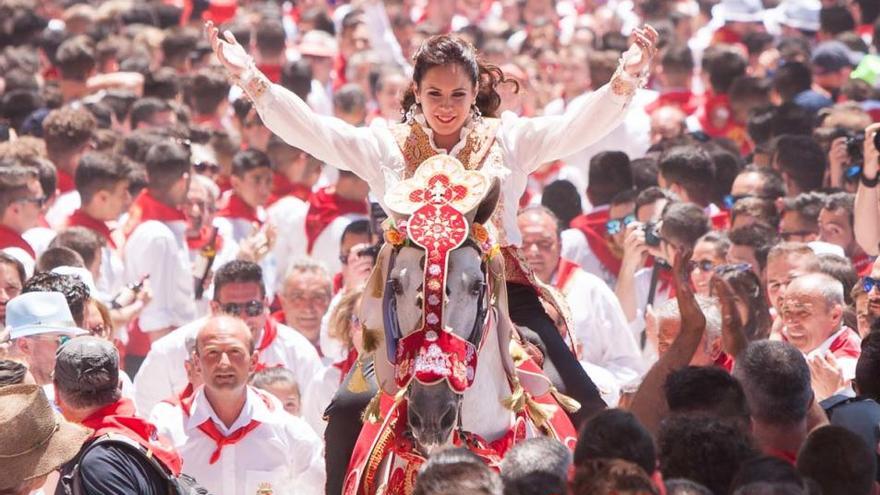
[189,217]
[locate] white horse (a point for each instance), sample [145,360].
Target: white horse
[486,408]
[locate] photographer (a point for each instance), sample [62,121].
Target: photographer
[867,216]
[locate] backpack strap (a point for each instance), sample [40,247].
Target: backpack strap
[72,482]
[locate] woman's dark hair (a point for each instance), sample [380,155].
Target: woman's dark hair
[446,50]
[748,287]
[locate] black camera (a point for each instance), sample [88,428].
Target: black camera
[855,146]
[651,236]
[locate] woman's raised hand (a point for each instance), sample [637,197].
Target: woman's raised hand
[229,52]
[642,50]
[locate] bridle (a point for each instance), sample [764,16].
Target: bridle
[391,323]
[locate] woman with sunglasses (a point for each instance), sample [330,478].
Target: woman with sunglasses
[710,251]
[452,108]
[750,299]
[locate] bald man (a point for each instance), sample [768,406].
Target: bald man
[234,439]
[812,311]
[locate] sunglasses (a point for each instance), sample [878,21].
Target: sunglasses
[731,199]
[250,308]
[616,225]
[59,340]
[203,167]
[737,267]
[704,266]
[869,283]
[39,201]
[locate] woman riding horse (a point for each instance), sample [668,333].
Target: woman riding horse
[451,109]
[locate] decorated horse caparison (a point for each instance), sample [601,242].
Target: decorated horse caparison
[448,363]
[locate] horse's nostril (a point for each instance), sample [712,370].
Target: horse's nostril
[414,420]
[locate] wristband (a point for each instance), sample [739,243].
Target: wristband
[869,182]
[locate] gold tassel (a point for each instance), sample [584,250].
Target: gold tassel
[371,339]
[371,412]
[570,405]
[540,413]
[358,383]
[517,399]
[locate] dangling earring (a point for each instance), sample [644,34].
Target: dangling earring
[411,113]
[476,114]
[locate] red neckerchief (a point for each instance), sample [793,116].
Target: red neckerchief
[346,364]
[188,391]
[120,418]
[79,218]
[526,198]
[683,99]
[725,35]
[65,182]
[789,457]
[725,361]
[271,71]
[282,186]
[339,64]
[11,238]
[219,12]
[146,208]
[564,271]
[721,220]
[338,282]
[270,331]
[224,183]
[591,225]
[237,208]
[543,174]
[205,233]
[862,263]
[211,430]
[846,344]
[324,207]
[715,115]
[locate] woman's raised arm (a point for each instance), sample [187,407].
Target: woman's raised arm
[328,139]
[588,118]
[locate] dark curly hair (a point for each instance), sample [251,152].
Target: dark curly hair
[443,50]
[75,291]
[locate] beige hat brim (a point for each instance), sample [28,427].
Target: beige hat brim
[63,446]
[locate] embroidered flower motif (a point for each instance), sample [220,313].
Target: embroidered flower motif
[479,233]
[432,319]
[433,300]
[433,285]
[434,269]
[394,237]
[434,361]
[430,336]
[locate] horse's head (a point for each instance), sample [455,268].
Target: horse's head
[436,299]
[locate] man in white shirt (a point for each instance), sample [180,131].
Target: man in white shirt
[156,241]
[812,312]
[599,327]
[238,291]
[232,438]
[251,187]
[21,198]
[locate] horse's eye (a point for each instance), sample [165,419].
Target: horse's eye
[477,287]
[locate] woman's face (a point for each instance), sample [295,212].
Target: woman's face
[446,94]
[705,259]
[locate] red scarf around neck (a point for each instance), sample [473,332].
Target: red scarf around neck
[564,272]
[120,418]
[65,182]
[593,227]
[270,331]
[282,186]
[210,429]
[324,207]
[200,241]
[146,207]
[79,218]
[237,208]
[10,238]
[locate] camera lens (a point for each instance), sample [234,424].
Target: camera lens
[877,140]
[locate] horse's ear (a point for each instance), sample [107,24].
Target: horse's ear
[490,201]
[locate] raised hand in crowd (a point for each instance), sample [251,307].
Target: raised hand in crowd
[228,50]
[649,404]
[826,375]
[867,205]
[733,339]
[358,267]
[635,252]
[260,243]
